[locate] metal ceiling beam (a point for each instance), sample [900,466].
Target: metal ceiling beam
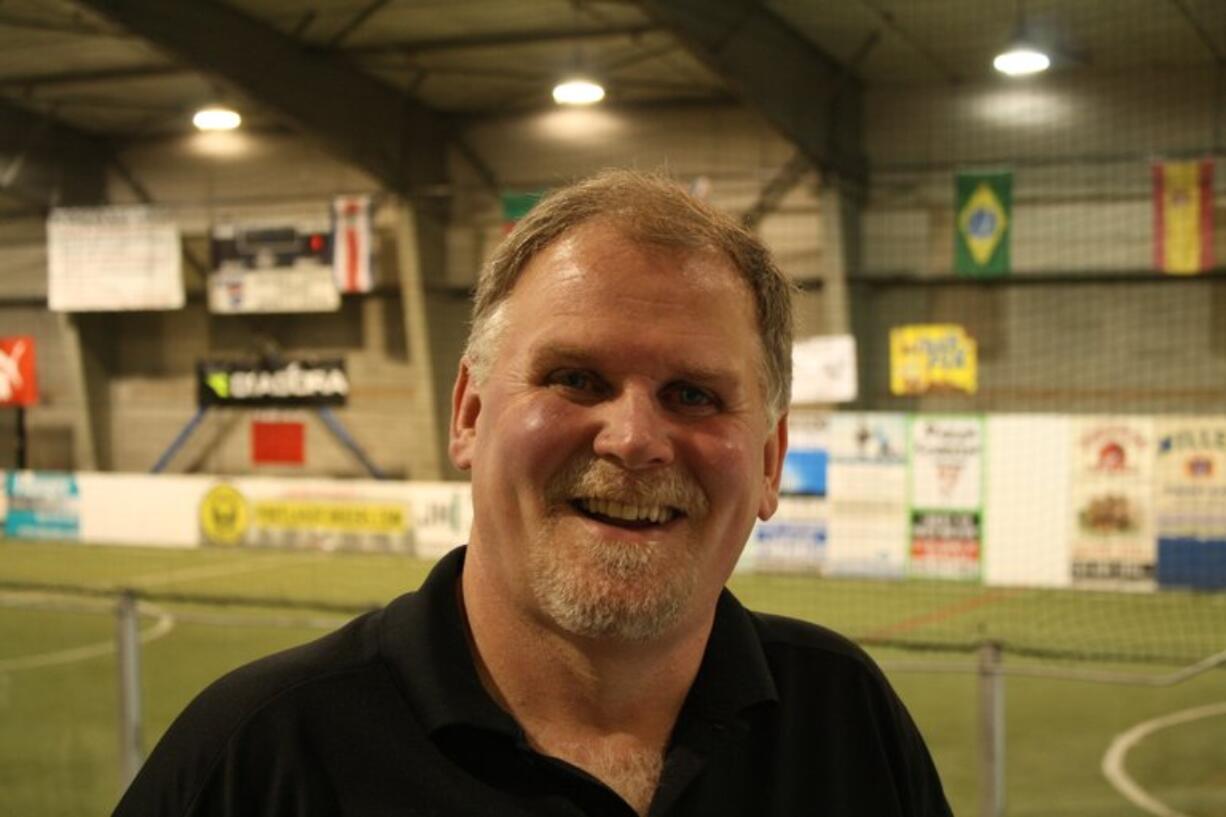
[811,98]
[58,78]
[358,118]
[502,39]
[46,163]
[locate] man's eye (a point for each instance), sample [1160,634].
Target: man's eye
[573,379]
[692,397]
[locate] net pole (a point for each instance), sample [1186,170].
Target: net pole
[22,445]
[127,641]
[991,731]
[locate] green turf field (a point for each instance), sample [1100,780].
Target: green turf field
[58,698]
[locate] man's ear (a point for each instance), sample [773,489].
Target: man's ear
[465,406]
[772,467]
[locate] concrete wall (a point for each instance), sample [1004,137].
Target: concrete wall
[1080,150]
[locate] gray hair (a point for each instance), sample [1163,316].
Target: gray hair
[651,209]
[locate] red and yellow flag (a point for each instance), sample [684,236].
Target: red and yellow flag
[1183,216]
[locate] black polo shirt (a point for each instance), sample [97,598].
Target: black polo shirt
[387,716]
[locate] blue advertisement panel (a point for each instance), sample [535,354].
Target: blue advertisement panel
[41,505]
[1191,500]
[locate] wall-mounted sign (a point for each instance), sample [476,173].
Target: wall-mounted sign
[113,258]
[42,505]
[1112,521]
[282,266]
[936,357]
[313,515]
[18,385]
[946,517]
[824,369]
[296,383]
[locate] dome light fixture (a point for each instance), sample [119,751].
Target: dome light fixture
[578,91]
[1021,59]
[216,118]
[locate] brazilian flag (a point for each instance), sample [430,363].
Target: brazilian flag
[982,218]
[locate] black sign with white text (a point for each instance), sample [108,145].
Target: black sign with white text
[292,383]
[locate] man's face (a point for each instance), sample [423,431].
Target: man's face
[620,446]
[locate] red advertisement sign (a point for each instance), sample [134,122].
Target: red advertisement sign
[18,386]
[277,443]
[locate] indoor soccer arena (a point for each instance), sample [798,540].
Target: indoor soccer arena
[239,246]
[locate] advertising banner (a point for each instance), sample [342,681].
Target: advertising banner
[18,383]
[273,266]
[41,505]
[946,486]
[933,358]
[1112,524]
[422,519]
[113,258]
[1191,502]
[269,385]
[868,494]
[325,516]
[795,537]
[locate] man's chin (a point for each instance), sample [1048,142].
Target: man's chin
[611,589]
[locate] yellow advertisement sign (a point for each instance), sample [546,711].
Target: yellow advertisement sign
[266,515]
[928,358]
[364,517]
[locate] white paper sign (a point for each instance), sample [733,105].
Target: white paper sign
[113,258]
[824,369]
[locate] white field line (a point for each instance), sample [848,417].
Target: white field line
[187,574]
[1113,761]
[164,624]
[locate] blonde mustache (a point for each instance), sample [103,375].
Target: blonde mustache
[596,478]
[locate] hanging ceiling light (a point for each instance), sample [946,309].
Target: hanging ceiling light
[216,117]
[578,91]
[1021,59]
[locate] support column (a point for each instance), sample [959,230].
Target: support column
[89,386]
[420,245]
[840,205]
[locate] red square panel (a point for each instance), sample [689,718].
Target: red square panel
[277,443]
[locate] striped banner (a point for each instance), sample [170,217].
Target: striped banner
[1183,217]
[352,244]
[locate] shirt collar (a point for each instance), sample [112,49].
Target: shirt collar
[424,640]
[734,674]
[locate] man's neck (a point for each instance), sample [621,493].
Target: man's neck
[607,706]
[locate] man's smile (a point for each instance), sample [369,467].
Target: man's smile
[626,514]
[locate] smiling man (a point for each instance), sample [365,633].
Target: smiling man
[621,406]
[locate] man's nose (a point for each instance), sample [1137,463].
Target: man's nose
[634,431]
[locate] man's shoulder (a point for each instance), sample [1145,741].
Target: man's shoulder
[248,712]
[802,645]
[352,647]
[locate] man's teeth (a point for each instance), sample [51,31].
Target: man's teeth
[630,513]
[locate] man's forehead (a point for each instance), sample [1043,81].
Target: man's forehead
[599,255]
